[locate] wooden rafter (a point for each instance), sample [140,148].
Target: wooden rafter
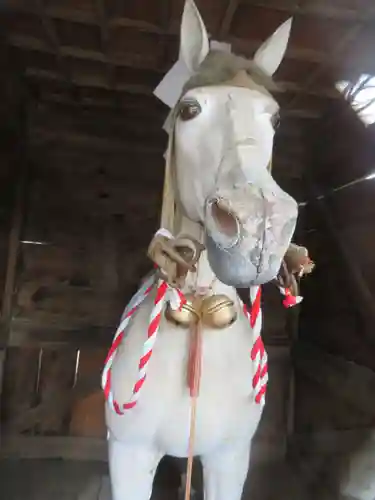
[228,17]
[13,246]
[28,43]
[51,36]
[351,35]
[91,81]
[40,135]
[310,8]
[104,39]
[324,11]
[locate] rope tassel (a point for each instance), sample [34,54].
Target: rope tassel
[289,300]
[194,376]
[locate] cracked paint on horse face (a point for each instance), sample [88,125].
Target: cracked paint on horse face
[222,144]
[223,140]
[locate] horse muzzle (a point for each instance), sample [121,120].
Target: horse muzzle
[248,230]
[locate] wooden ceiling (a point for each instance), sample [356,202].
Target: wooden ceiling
[91,65]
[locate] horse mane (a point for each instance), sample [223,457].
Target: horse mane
[220,67]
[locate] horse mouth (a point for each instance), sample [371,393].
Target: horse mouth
[221,220]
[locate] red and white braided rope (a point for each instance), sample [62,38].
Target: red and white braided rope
[176,299]
[258,353]
[254,314]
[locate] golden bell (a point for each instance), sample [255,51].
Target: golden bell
[186,316]
[218,311]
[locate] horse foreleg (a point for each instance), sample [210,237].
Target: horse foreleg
[132,470]
[225,472]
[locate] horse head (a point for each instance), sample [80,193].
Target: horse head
[222,130]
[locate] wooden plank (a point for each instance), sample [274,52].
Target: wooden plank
[228,18]
[53,334]
[29,418]
[57,375]
[13,247]
[87,417]
[20,381]
[58,332]
[41,136]
[78,305]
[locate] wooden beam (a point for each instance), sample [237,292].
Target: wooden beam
[131,104]
[13,251]
[40,136]
[153,108]
[166,7]
[226,23]
[13,247]
[117,125]
[58,401]
[309,8]
[51,36]
[103,23]
[84,81]
[321,10]
[244,46]
[27,43]
[333,55]
[30,43]
[54,333]
[58,335]
[104,39]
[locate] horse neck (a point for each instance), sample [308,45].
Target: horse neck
[204,277]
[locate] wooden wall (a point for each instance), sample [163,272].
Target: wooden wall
[89,216]
[337,315]
[84,252]
[10,135]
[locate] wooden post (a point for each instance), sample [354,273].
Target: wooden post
[13,246]
[11,268]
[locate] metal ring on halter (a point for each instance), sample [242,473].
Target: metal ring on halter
[192,244]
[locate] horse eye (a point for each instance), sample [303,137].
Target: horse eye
[189,110]
[275,120]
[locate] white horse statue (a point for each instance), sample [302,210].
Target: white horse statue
[221,134]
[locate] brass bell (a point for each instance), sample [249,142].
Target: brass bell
[218,311]
[186,316]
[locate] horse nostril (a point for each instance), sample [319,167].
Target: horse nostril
[225,220]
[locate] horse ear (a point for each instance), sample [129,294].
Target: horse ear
[270,54]
[194,45]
